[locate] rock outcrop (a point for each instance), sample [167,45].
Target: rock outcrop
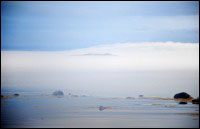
[9,96]
[195,101]
[141,96]
[182,95]
[101,108]
[182,102]
[183,98]
[58,93]
[16,95]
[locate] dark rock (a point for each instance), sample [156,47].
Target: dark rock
[182,102]
[101,108]
[58,93]
[141,96]
[16,95]
[9,96]
[195,101]
[182,95]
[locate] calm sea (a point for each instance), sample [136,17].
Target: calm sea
[44,110]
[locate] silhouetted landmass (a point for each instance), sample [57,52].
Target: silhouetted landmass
[96,54]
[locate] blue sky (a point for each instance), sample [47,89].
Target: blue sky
[55,26]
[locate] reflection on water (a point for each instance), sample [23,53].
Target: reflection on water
[49,111]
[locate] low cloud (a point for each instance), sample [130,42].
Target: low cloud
[127,56]
[168,67]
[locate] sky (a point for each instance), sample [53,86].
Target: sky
[52,26]
[101,48]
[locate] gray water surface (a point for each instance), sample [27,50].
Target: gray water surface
[49,111]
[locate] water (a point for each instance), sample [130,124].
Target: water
[36,110]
